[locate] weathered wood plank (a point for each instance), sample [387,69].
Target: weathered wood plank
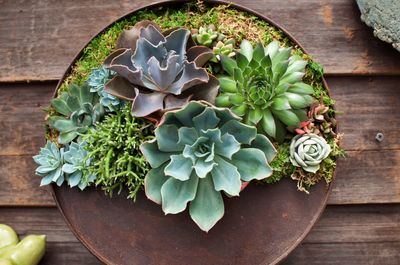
[363,177]
[344,235]
[19,185]
[331,31]
[369,105]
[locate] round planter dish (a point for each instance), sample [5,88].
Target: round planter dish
[262,226]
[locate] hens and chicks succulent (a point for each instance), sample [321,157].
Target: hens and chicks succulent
[199,151]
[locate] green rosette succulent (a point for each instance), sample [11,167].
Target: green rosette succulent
[308,151]
[264,86]
[206,35]
[159,71]
[225,48]
[76,161]
[80,109]
[199,152]
[50,160]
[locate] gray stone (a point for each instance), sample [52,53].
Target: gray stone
[384,17]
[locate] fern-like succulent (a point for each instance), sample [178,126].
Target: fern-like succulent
[264,86]
[80,109]
[113,148]
[75,166]
[199,152]
[159,71]
[50,160]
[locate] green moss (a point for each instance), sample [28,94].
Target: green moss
[281,164]
[113,147]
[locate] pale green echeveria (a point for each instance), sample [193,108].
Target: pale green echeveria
[76,161]
[264,86]
[50,160]
[308,151]
[199,152]
[207,35]
[80,108]
[159,71]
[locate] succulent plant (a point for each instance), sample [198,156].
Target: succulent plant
[207,35]
[225,48]
[80,109]
[76,162]
[264,86]
[200,151]
[113,148]
[97,80]
[50,160]
[319,121]
[159,71]
[308,151]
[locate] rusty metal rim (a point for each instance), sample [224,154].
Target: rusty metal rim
[169,3]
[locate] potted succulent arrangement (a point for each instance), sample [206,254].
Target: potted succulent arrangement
[189,105]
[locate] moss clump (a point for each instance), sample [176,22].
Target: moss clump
[113,148]
[281,164]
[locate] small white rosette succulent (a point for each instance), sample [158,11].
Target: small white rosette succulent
[308,151]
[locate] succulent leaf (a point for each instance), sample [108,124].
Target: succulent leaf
[264,86]
[203,143]
[161,73]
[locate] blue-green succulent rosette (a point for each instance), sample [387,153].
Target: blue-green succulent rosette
[200,152]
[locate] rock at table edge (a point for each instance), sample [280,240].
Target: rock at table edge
[384,17]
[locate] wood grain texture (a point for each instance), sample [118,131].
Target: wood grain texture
[333,34]
[344,235]
[366,106]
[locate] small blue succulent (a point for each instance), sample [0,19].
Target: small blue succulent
[75,159]
[50,161]
[97,80]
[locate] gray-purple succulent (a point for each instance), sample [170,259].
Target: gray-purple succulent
[159,71]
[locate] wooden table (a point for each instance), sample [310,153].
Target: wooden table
[361,225]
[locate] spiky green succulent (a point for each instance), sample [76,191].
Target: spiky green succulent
[97,81]
[80,109]
[75,165]
[199,152]
[113,147]
[50,160]
[207,35]
[308,151]
[264,86]
[159,71]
